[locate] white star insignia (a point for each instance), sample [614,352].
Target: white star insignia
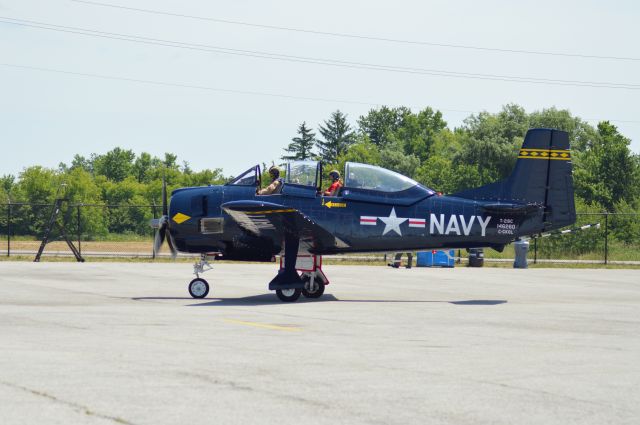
[392,223]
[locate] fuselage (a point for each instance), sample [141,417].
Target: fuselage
[366,222]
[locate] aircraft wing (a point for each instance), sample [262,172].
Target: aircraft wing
[273,221]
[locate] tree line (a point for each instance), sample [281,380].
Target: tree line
[482,150]
[418,144]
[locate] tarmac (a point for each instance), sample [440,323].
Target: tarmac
[123,343]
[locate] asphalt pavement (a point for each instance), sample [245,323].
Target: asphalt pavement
[124,343]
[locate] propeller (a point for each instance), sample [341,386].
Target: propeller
[162,224]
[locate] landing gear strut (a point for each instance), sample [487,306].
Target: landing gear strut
[198,287]
[313,279]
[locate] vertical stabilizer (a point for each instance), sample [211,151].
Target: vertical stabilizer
[542,176]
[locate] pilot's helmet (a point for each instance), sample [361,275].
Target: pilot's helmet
[334,174]
[274,171]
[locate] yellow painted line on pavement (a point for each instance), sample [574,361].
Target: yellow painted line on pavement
[264,325]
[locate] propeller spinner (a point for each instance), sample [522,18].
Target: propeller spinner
[162,224]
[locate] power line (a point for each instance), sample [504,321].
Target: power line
[362,37]
[312,60]
[231,91]
[182,85]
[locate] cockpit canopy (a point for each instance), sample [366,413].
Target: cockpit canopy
[251,177]
[306,173]
[364,176]
[359,179]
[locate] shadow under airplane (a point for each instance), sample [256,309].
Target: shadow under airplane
[267,299]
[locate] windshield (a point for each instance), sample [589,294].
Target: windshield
[302,172]
[370,177]
[248,178]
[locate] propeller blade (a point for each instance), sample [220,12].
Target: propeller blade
[172,246]
[165,208]
[159,239]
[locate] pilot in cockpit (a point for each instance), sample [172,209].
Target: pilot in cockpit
[276,182]
[335,185]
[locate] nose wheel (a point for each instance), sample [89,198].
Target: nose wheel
[198,288]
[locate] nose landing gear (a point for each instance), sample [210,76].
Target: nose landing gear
[198,287]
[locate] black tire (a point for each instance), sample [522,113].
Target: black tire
[315,294]
[288,295]
[198,288]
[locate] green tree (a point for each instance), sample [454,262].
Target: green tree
[393,158]
[418,132]
[115,165]
[362,151]
[301,147]
[437,173]
[337,135]
[626,226]
[82,189]
[379,125]
[80,161]
[171,161]
[607,171]
[142,167]
[490,142]
[7,182]
[203,178]
[39,186]
[581,134]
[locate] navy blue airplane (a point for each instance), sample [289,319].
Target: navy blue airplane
[377,210]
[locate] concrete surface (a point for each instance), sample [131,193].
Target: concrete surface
[123,343]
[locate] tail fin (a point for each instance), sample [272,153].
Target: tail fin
[542,177]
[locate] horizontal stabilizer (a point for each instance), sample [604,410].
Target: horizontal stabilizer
[512,209]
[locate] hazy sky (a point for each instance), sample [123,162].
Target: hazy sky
[46,117]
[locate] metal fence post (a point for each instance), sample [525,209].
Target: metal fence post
[79,231]
[9,229]
[535,251]
[606,238]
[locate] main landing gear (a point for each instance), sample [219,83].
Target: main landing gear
[305,277]
[310,283]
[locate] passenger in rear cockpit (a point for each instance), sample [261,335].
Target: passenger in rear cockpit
[336,184]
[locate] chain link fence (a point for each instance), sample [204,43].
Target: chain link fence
[123,231]
[96,230]
[602,237]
